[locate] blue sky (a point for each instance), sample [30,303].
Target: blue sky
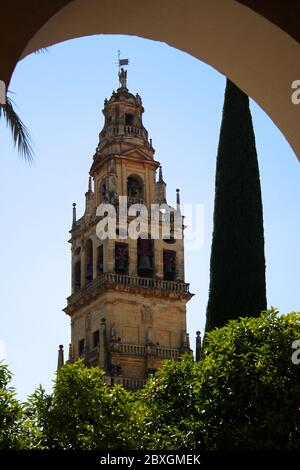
[60,96]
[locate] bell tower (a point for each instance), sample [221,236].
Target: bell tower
[129,296]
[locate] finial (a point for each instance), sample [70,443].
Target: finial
[160,175]
[150,142]
[178,197]
[90,184]
[198,346]
[71,359]
[60,360]
[74,213]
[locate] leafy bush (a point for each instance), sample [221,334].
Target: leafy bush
[83,412]
[12,433]
[243,394]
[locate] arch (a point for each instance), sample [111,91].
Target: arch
[89,260]
[169,265]
[255,53]
[103,190]
[77,276]
[135,189]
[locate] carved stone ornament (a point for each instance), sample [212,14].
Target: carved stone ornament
[147,314]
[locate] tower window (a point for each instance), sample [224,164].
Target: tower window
[81,347]
[96,338]
[169,265]
[121,258]
[103,191]
[77,275]
[145,257]
[129,119]
[135,188]
[89,260]
[100,259]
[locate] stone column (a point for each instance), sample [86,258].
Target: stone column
[103,359]
[95,255]
[158,259]
[132,257]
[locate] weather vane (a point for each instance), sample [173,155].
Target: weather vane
[122,72]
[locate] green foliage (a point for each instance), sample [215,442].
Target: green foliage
[83,412]
[13,434]
[243,394]
[237,265]
[248,387]
[169,402]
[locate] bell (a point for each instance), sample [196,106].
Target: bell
[169,269]
[100,267]
[89,272]
[121,266]
[144,267]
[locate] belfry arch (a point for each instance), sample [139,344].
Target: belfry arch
[256,47]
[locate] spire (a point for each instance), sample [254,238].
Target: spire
[160,175]
[70,359]
[89,199]
[60,359]
[178,199]
[198,346]
[160,188]
[74,213]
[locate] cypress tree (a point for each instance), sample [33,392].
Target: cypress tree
[237,264]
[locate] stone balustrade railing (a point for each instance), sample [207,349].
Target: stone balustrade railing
[133,384]
[125,130]
[124,279]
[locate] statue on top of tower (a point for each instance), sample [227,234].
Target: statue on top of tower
[123,78]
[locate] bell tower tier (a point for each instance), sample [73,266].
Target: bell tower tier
[129,295]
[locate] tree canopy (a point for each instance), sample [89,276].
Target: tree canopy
[243,394]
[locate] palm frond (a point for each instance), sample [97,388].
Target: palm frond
[20,133]
[42,50]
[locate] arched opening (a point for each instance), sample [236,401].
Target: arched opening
[276,99]
[102,190]
[100,259]
[121,258]
[209,30]
[135,189]
[145,257]
[77,275]
[89,260]
[169,260]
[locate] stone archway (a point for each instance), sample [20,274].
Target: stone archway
[259,56]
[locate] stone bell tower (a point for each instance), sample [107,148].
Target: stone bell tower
[128,301]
